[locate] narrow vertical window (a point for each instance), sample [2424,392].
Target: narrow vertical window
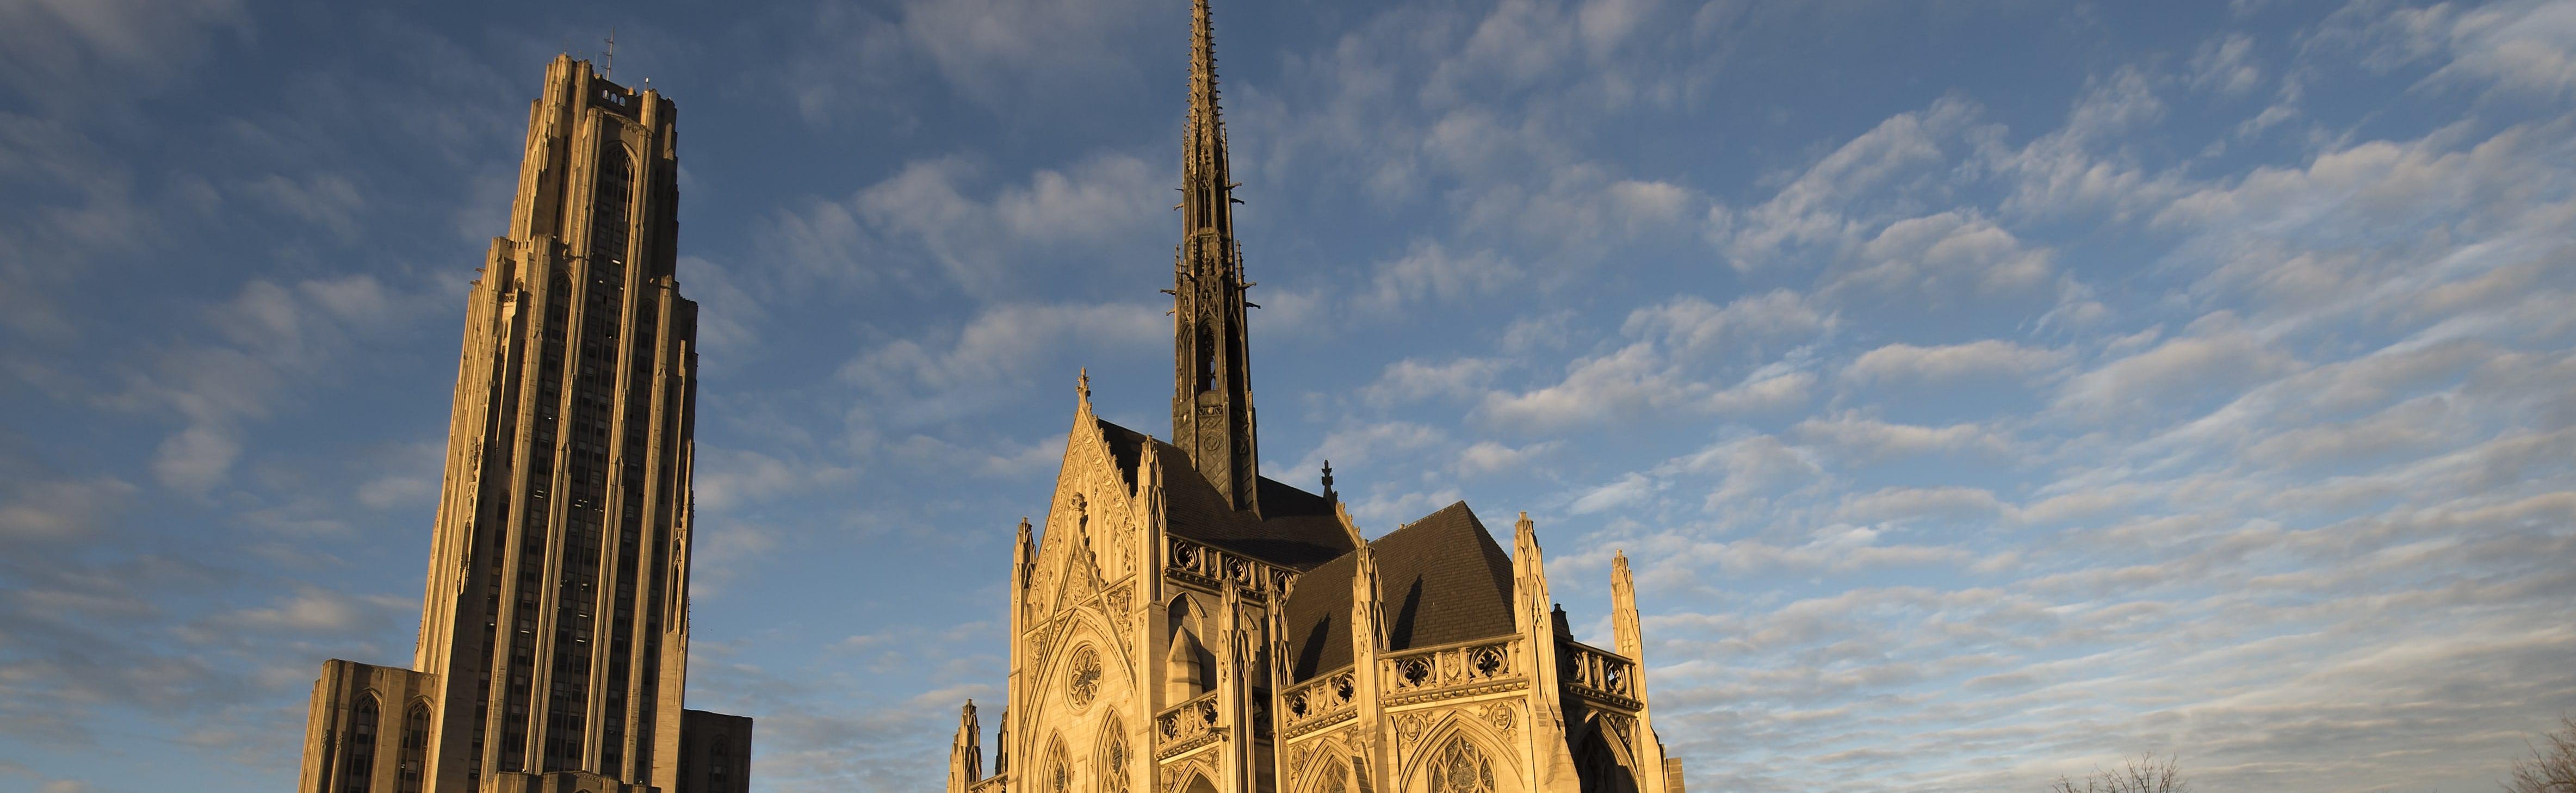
[611,201]
[1207,356]
[1113,756]
[415,748]
[361,764]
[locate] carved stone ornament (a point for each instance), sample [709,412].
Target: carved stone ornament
[1500,715]
[1082,677]
[1120,603]
[1042,644]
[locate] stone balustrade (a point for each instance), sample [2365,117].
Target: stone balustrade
[1601,673]
[1461,669]
[1209,566]
[1318,702]
[1188,725]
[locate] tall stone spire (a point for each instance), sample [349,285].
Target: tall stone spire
[1212,416]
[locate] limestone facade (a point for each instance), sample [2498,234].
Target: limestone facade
[1182,624]
[715,753]
[553,645]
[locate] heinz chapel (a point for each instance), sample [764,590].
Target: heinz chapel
[1182,624]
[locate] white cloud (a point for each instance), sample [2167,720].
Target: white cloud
[1383,511]
[1628,491]
[1355,448]
[312,610]
[197,458]
[1763,392]
[849,60]
[1412,380]
[2223,360]
[328,200]
[1489,457]
[1691,326]
[978,243]
[1862,439]
[1839,548]
[727,481]
[1749,468]
[1623,383]
[1428,272]
[2226,64]
[1900,363]
[2519,46]
[2421,424]
[1814,209]
[67,53]
[1949,254]
[1901,503]
[2067,170]
[274,339]
[37,511]
[940,377]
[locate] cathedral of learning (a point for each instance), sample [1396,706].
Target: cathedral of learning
[554,627]
[1184,624]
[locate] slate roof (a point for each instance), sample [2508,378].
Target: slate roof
[1442,579]
[1294,529]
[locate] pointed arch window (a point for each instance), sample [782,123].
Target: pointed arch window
[415,749]
[1461,768]
[361,746]
[1113,756]
[1059,771]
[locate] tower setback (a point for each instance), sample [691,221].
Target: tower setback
[553,645]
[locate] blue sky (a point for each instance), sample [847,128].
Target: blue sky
[1986,390]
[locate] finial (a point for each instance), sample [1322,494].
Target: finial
[1328,479]
[1082,384]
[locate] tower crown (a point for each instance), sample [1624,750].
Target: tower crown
[1212,415]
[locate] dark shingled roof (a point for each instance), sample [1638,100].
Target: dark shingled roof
[1442,578]
[1295,529]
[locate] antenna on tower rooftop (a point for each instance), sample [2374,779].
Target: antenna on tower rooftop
[608,61]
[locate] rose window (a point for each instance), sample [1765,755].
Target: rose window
[1082,678]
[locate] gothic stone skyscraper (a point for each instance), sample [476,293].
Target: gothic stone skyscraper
[1186,625]
[554,631]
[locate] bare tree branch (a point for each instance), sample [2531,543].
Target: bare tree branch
[2146,774]
[2552,765]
